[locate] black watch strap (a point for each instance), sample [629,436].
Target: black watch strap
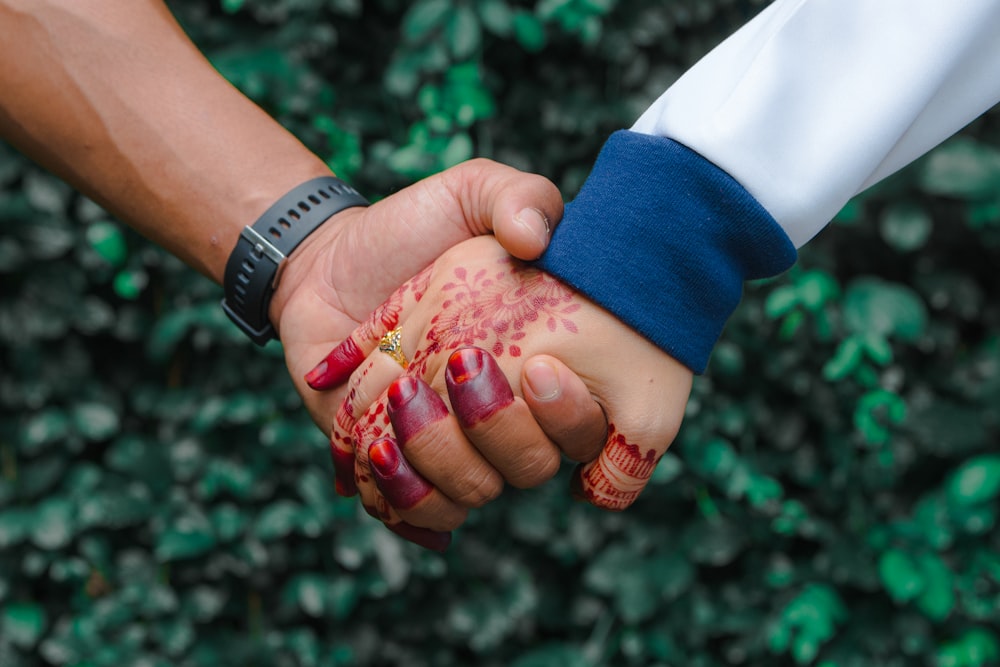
[254,266]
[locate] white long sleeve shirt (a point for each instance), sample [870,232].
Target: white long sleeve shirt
[755,149]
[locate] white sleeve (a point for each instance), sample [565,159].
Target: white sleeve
[813,101]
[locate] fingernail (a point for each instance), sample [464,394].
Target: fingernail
[401,485]
[336,367]
[477,387]
[343,472]
[465,364]
[542,380]
[429,539]
[412,406]
[402,392]
[535,222]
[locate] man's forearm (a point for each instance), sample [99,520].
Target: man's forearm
[114,98]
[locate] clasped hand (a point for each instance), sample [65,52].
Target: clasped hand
[486,335]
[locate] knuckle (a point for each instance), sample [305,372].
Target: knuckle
[480,491]
[538,469]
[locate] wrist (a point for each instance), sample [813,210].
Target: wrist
[310,261]
[260,256]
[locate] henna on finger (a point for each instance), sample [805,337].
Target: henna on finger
[496,422]
[346,357]
[407,493]
[437,448]
[477,387]
[428,538]
[401,485]
[412,407]
[616,478]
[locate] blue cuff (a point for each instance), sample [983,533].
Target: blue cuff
[664,239]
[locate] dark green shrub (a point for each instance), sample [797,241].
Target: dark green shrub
[832,499]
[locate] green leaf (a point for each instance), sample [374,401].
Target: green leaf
[128,284]
[424,17]
[874,306]
[277,520]
[184,541]
[937,598]
[875,411]
[906,226]
[459,149]
[780,301]
[23,624]
[463,32]
[962,168]
[901,576]
[845,359]
[976,481]
[815,288]
[108,241]
[529,31]
[95,421]
[497,17]
[53,525]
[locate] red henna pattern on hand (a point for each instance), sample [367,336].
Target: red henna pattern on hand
[491,310]
[336,367]
[618,476]
[386,316]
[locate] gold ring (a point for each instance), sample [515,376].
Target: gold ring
[392,344]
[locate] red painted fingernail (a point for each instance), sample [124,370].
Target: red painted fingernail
[336,367]
[343,471]
[477,387]
[401,485]
[402,391]
[465,364]
[429,539]
[412,406]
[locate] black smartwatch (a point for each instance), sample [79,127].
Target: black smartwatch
[255,264]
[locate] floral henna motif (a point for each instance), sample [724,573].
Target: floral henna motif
[386,316]
[618,476]
[491,310]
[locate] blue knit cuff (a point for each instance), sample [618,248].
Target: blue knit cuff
[664,239]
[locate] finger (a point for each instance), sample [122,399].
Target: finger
[644,415]
[496,422]
[414,498]
[435,445]
[346,357]
[364,387]
[564,408]
[435,540]
[420,222]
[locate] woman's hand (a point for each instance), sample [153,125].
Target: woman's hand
[425,444]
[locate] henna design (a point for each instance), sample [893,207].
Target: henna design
[619,474]
[386,316]
[413,406]
[491,310]
[477,387]
[401,485]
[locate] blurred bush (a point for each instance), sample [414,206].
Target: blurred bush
[832,499]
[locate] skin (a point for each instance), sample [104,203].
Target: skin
[471,320]
[115,99]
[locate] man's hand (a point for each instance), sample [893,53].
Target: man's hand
[419,459]
[352,263]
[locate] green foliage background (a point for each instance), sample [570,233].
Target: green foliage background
[832,499]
